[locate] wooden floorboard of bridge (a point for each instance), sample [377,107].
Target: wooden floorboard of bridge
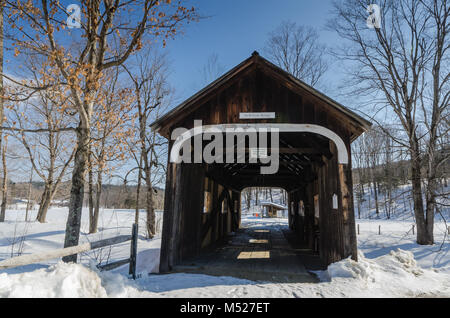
[262,253]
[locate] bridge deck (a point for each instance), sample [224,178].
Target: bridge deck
[260,251]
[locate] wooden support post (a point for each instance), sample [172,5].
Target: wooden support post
[379,229]
[168,217]
[133,251]
[345,182]
[358,229]
[413,229]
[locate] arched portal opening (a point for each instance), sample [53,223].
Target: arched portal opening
[308,172]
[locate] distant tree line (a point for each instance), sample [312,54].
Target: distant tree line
[113,196]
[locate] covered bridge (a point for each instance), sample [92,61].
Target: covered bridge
[313,137]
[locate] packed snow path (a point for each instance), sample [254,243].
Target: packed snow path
[259,251]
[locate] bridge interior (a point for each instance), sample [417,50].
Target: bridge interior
[260,250]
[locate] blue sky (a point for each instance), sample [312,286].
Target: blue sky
[233,29]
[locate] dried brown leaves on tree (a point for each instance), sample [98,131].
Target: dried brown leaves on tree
[110,32]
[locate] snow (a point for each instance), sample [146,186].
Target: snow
[390,264]
[61,280]
[18,237]
[396,234]
[393,275]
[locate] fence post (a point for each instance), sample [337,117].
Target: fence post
[133,251]
[379,229]
[413,228]
[358,229]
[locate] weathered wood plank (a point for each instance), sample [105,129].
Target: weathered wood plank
[44,256]
[113,265]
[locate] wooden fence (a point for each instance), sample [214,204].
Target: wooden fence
[40,257]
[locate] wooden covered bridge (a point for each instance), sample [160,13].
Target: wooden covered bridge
[203,199]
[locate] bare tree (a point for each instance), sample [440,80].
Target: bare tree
[395,65]
[109,135]
[110,32]
[248,197]
[4,180]
[30,188]
[373,143]
[297,50]
[51,152]
[212,70]
[389,153]
[359,160]
[152,96]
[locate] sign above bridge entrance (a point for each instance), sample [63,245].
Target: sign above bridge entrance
[257,116]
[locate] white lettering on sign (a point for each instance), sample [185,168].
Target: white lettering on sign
[257,116]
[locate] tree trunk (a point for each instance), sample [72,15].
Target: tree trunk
[44,204]
[138,192]
[91,192]
[424,237]
[359,208]
[4,187]
[4,184]
[377,208]
[93,225]
[431,194]
[77,192]
[29,195]
[148,162]
[151,225]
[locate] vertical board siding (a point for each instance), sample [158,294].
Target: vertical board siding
[187,230]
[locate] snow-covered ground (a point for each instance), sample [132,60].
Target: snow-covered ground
[397,234]
[18,237]
[401,206]
[391,265]
[392,275]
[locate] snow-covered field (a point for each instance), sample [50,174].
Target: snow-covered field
[18,237]
[391,265]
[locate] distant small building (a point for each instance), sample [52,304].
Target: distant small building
[60,203]
[20,204]
[272,210]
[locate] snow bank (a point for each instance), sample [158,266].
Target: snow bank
[398,263]
[394,275]
[58,281]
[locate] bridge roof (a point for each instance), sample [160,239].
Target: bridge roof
[188,106]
